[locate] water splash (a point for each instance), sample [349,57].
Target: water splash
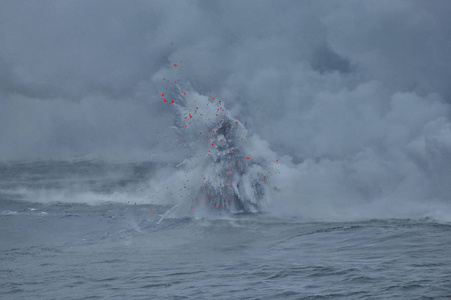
[224,167]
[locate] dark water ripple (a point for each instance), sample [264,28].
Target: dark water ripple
[120,251]
[194,259]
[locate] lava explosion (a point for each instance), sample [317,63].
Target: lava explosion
[225,168]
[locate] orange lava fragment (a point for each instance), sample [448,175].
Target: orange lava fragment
[236,123]
[208,137]
[277,160]
[162,95]
[228,152]
[248,157]
[265,176]
[175,65]
[212,98]
[209,151]
[150,210]
[165,100]
[218,205]
[190,116]
[228,170]
[172,101]
[184,93]
[185,126]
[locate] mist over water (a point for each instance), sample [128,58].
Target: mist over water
[352,98]
[225,149]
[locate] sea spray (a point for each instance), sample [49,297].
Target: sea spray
[225,168]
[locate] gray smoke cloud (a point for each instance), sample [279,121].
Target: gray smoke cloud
[352,93]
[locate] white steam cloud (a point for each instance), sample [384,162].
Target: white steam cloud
[352,96]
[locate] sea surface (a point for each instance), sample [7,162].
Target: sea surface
[72,230]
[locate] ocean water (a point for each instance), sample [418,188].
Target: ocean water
[87,230]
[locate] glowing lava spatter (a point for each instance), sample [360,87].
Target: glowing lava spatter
[218,172]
